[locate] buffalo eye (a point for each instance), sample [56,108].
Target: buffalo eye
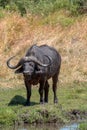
[31,65]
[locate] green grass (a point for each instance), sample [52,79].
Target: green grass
[42,7]
[58,18]
[83,126]
[72,97]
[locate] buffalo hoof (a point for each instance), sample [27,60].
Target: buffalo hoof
[56,101]
[45,102]
[42,103]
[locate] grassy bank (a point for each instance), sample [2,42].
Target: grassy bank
[72,105]
[83,126]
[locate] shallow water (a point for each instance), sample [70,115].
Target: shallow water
[67,127]
[44,127]
[70,127]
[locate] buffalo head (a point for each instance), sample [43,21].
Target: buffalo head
[27,64]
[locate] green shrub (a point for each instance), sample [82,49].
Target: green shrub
[2,14]
[43,7]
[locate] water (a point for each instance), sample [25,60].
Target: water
[70,127]
[54,127]
[44,127]
[51,127]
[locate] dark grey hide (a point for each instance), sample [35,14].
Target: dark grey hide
[38,65]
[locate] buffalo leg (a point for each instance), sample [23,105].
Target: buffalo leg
[28,88]
[55,80]
[46,90]
[41,90]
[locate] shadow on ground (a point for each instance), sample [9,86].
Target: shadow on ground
[19,100]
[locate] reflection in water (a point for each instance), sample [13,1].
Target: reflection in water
[70,127]
[40,127]
[44,127]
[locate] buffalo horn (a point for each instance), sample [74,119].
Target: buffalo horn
[34,59]
[11,66]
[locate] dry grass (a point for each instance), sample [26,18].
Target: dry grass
[18,33]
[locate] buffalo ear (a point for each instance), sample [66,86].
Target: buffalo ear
[19,70]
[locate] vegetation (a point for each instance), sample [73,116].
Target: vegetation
[43,7]
[72,102]
[83,126]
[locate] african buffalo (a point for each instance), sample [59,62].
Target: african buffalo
[39,64]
